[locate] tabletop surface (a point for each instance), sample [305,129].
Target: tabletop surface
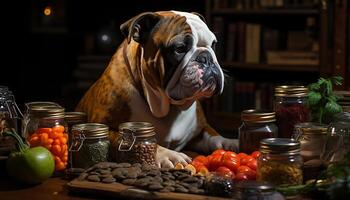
[53,188]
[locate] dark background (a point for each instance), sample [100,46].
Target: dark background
[41,54]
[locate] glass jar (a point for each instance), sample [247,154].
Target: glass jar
[9,116]
[256,125]
[28,106]
[338,139]
[137,143]
[253,190]
[46,127]
[73,118]
[290,107]
[280,162]
[312,138]
[90,145]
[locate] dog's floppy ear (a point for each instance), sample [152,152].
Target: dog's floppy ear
[140,26]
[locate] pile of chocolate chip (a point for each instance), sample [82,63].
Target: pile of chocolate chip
[146,176]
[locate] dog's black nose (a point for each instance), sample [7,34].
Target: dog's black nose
[203,57]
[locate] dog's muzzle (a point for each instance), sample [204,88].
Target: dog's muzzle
[200,77]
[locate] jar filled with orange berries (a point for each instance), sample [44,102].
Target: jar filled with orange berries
[47,127]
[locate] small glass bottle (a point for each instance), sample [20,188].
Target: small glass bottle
[253,190]
[137,143]
[256,125]
[47,127]
[290,107]
[280,162]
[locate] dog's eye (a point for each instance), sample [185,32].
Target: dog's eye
[181,49]
[213,45]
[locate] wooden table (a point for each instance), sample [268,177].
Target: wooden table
[53,188]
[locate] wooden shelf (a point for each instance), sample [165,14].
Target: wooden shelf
[281,11]
[275,67]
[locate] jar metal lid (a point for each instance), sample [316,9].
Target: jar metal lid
[75,117]
[32,104]
[250,186]
[280,146]
[258,116]
[291,91]
[139,129]
[47,111]
[91,130]
[311,128]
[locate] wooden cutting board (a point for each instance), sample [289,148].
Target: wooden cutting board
[121,190]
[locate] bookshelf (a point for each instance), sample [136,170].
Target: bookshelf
[265,43]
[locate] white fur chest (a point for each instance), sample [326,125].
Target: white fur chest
[174,130]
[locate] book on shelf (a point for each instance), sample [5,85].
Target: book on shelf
[252,43]
[218,29]
[292,57]
[241,40]
[231,44]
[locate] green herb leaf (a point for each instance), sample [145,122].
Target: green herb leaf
[322,101]
[337,80]
[314,87]
[332,107]
[314,98]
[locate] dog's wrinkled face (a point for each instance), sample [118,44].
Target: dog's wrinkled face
[191,68]
[178,64]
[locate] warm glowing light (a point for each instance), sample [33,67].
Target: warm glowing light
[47,11]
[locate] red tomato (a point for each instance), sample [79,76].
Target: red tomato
[229,155]
[233,176]
[246,159]
[252,164]
[251,174]
[219,152]
[243,168]
[231,163]
[241,155]
[215,162]
[255,154]
[224,171]
[201,159]
[241,177]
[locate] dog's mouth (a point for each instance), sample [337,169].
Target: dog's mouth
[201,77]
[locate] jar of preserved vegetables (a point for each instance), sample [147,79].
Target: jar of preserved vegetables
[9,116]
[137,143]
[290,107]
[90,145]
[256,125]
[28,106]
[253,190]
[280,162]
[46,127]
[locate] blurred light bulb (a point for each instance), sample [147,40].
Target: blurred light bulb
[104,37]
[47,11]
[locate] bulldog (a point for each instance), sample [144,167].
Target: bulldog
[158,74]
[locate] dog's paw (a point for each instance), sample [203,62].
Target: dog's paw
[169,158]
[219,142]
